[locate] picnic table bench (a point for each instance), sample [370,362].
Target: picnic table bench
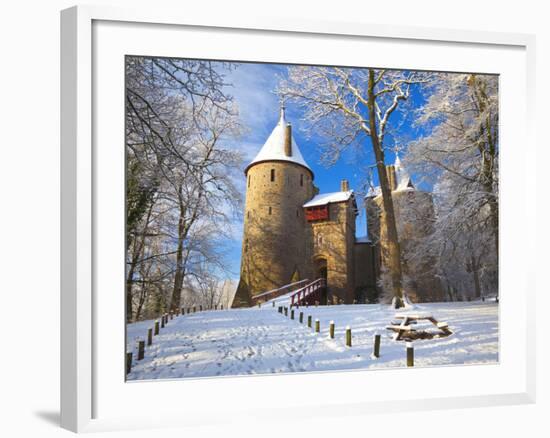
[405,327]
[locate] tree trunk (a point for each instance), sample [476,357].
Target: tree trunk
[138,248]
[394,253]
[178,278]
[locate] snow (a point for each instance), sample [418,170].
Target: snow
[327,198]
[274,147]
[263,341]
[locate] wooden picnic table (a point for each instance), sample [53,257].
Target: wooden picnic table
[405,327]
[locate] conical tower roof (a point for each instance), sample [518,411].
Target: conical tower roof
[274,147]
[403,178]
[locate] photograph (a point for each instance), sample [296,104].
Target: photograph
[285,218]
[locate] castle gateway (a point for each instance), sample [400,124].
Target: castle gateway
[292,232]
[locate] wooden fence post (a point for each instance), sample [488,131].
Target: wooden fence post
[410,354]
[194,309]
[292,314]
[286,311]
[171,315]
[309,321]
[348,336]
[149,336]
[200,308]
[331,330]
[162,321]
[141,350]
[376,351]
[317,326]
[128,362]
[273,304]
[301,317]
[156,327]
[221,306]
[280,309]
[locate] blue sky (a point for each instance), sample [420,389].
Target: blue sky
[253,89]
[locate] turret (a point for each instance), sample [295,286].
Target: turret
[278,183]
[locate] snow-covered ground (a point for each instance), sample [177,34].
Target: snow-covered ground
[258,341]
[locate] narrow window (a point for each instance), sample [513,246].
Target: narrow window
[297,212]
[301,180]
[269,210]
[272,175]
[248,180]
[248,214]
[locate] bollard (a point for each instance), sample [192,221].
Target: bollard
[286,311]
[309,321]
[331,330]
[259,305]
[200,308]
[292,314]
[141,350]
[376,351]
[280,309]
[221,306]
[194,309]
[128,362]
[182,311]
[162,321]
[156,327]
[149,336]
[171,315]
[301,317]
[410,354]
[273,304]
[317,326]
[348,336]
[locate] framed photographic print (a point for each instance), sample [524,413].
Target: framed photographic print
[257,208]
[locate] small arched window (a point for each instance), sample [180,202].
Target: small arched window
[272,175]
[249,180]
[270,210]
[301,180]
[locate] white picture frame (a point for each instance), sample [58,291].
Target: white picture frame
[83,391]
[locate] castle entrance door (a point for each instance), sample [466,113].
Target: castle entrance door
[322,272]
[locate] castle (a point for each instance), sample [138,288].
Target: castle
[292,232]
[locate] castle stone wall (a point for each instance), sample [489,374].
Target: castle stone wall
[275,241]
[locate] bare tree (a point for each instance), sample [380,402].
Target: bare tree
[180,174]
[347,106]
[459,156]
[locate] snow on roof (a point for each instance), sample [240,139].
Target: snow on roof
[274,147]
[404,181]
[403,178]
[327,198]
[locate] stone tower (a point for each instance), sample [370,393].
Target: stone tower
[414,213]
[275,242]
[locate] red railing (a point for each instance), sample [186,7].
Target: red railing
[308,293]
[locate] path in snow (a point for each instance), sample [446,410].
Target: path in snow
[260,341]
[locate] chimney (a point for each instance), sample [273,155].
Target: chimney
[392,180]
[288,140]
[344,185]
